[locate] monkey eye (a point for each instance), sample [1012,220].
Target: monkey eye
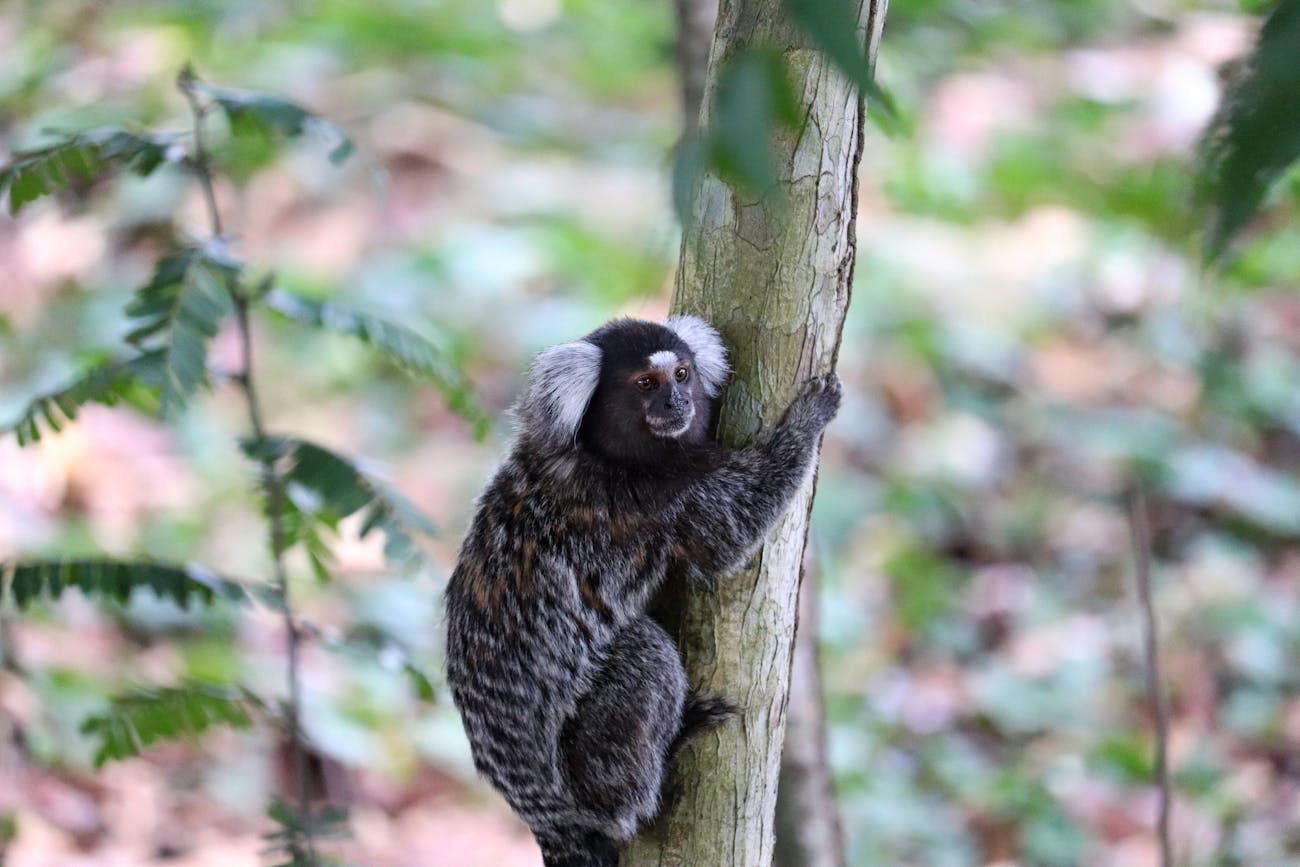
[645,383]
[682,374]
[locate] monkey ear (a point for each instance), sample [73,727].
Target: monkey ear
[560,385]
[706,344]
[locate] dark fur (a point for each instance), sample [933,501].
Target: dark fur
[575,701]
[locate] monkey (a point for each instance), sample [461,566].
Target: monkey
[575,701]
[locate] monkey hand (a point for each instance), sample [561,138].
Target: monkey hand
[816,404]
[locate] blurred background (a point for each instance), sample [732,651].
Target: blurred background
[1030,322]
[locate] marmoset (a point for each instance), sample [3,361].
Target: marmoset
[574,700]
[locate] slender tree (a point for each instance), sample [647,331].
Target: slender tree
[773,273]
[808,830]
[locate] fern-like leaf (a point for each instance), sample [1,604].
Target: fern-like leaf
[409,350]
[81,158]
[1255,136]
[117,580]
[134,380]
[323,488]
[150,714]
[177,313]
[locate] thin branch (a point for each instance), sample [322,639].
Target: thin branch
[1141,533]
[270,479]
[695,22]
[10,663]
[201,163]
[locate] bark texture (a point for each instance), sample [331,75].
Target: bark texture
[776,284]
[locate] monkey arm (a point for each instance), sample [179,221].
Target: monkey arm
[726,514]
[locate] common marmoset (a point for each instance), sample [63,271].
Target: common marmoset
[574,700]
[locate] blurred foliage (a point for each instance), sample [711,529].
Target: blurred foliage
[171,321]
[29,581]
[137,719]
[1256,135]
[1030,329]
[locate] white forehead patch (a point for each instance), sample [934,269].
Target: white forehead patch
[664,358]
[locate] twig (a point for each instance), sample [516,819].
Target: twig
[187,82]
[1141,533]
[270,479]
[10,663]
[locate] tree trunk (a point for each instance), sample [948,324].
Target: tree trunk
[807,821]
[776,285]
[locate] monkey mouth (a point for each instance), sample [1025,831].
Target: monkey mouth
[672,426]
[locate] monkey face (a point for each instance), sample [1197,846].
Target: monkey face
[667,394]
[649,400]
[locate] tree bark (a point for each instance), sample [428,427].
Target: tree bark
[776,284]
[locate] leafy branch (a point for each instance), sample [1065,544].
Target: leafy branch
[134,380]
[176,315]
[149,714]
[307,490]
[264,114]
[323,488]
[271,483]
[1255,136]
[82,158]
[30,581]
[417,354]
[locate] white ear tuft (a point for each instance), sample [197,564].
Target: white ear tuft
[560,385]
[706,344]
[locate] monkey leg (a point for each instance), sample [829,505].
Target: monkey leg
[617,743]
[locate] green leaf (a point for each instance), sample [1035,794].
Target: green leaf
[27,185]
[150,714]
[1255,136]
[81,158]
[323,488]
[117,580]
[134,380]
[260,112]
[178,313]
[1128,756]
[753,96]
[418,355]
[263,115]
[833,27]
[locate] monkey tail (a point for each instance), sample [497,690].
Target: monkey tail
[577,847]
[703,711]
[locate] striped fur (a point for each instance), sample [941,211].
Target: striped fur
[574,700]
